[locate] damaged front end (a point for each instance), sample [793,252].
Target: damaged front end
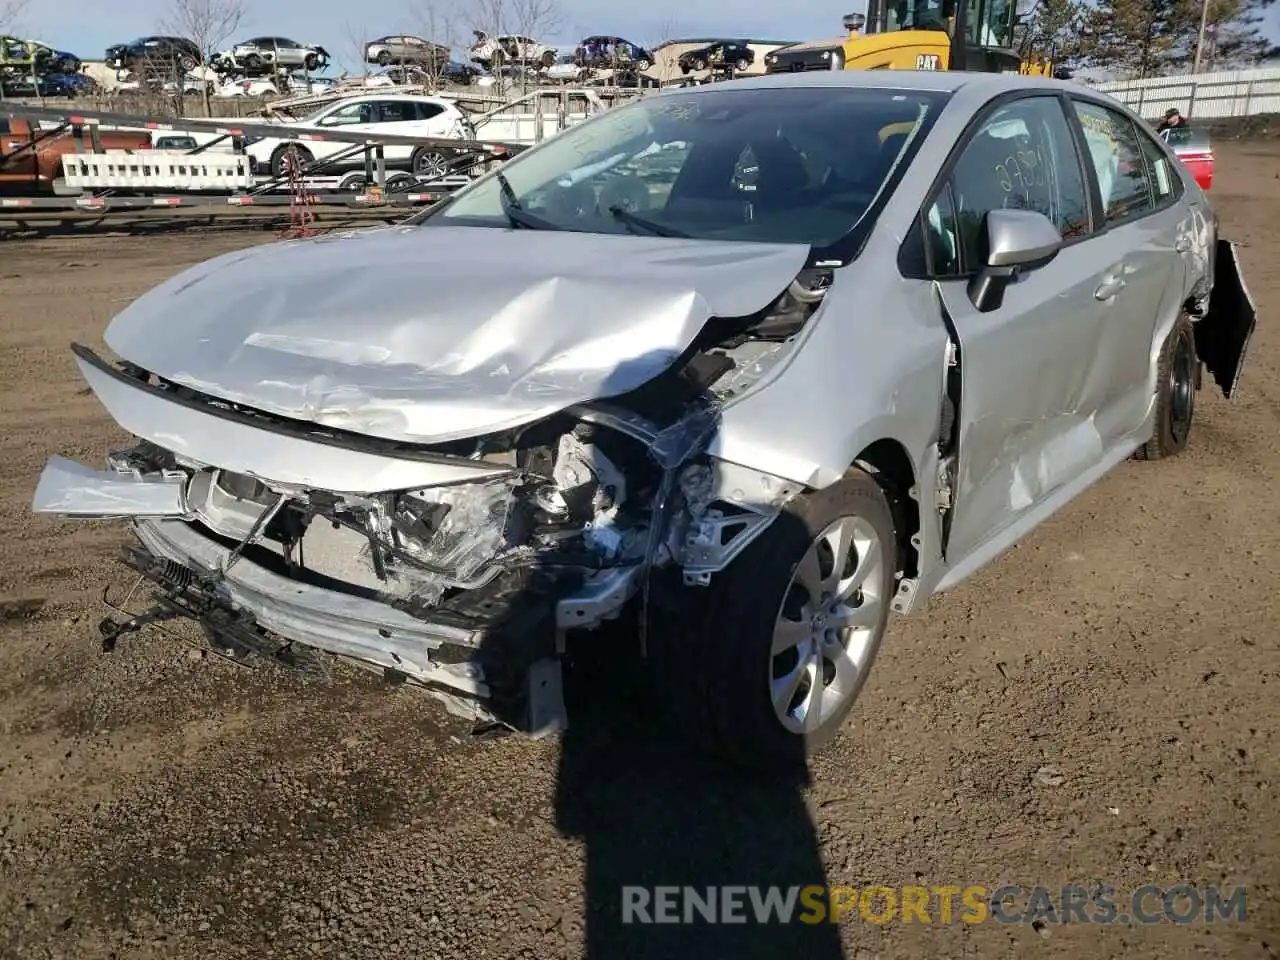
[460,565]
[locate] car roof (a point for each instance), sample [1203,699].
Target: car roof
[944,81]
[415,97]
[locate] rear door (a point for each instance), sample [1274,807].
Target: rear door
[1143,240]
[1027,398]
[397,118]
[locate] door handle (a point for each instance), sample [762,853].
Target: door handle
[1109,288]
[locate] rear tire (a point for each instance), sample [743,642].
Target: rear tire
[739,671]
[1176,381]
[430,162]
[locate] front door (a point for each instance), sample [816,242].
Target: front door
[1027,424]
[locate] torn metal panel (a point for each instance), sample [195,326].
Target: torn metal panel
[411,333]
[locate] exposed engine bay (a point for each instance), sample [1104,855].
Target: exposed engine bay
[559,536]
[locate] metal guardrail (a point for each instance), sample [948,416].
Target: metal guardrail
[1207,96]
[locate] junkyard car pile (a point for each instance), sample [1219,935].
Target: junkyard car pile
[748,366]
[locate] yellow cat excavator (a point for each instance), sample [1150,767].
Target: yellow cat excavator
[974,35]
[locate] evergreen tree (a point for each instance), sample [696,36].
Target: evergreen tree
[1136,37]
[1143,38]
[1233,37]
[1053,30]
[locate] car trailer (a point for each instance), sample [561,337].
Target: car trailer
[174,178]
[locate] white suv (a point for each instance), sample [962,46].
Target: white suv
[397,115]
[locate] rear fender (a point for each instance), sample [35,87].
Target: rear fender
[1223,333]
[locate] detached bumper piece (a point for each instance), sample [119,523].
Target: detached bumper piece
[72,489]
[490,656]
[182,593]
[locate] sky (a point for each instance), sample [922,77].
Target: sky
[88,27]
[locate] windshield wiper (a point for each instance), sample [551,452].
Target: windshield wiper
[518,216]
[624,215]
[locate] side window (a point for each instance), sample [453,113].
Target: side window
[352,113]
[1022,157]
[941,236]
[4,126]
[395,111]
[428,111]
[1164,181]
[1117,159]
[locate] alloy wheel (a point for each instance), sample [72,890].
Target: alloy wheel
[828,628]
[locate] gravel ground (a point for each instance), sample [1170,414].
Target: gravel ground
[1097,706]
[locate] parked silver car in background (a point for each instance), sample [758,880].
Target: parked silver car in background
[272,52]
[406,49]
[750,366]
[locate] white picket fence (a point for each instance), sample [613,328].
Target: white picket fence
[1205,96]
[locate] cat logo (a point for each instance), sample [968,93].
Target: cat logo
[927,61]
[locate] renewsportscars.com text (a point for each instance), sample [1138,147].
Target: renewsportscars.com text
[1071,903]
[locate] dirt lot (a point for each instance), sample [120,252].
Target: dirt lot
[156,803]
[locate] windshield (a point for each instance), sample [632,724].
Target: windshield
[780,165]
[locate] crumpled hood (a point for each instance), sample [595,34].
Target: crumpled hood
[435,333]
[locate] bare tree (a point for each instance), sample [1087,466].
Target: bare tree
[10,10]
[208,24]
[535,19]
[357,35]
[665,68]
[437,23]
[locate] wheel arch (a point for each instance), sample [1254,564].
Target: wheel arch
[889,463]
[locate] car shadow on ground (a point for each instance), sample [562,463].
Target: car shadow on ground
[651,811]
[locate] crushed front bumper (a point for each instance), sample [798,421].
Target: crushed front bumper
[453,655]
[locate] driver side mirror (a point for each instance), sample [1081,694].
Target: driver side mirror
[1018,241]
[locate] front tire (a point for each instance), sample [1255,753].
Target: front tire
[1176,380]
[789,631]
[286,154]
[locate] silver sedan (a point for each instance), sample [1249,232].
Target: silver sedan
[747,369]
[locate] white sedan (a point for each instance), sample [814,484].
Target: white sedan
[395,115]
